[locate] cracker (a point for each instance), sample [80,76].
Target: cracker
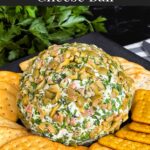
[97,146]
[128,64]
[139,127]
[8,134]
[33,142]
[9,87]
[25,64]
[128,134]
[141,112]
[121,144]
[134,70]
[141,79]
[8,106]
[7,123]
[11,77]
[139,74]
[140,95]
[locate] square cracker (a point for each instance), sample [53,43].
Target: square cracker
[139,127]
[8,106]
[128,134]
[97,146]
[121,144]
[8,134]
[141,112]
[140,95]
[33,142]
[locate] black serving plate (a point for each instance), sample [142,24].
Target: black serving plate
[107,45]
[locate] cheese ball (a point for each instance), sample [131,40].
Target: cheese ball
[74,94]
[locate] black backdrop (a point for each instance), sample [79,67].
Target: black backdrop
[125,24]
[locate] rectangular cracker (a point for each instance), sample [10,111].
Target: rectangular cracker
[32,142]
[139,127]
[128,134]
[140,95]
[121,144]
[97,146]
[141,112]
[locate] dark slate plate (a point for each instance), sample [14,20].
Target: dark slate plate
[92,38]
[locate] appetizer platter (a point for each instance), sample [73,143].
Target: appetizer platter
[76,96]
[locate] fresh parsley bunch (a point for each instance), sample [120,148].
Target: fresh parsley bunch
[29,29]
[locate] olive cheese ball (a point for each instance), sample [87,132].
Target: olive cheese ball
[74,94]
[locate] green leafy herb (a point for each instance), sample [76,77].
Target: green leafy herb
[37,121]
[25,30]
[34,85]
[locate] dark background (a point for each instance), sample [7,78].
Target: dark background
[125,24]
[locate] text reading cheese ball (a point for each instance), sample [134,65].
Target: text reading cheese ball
[74,94]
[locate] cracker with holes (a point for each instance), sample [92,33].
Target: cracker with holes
[121,144]
[11,77]
[9,87]
[140,95]
[126,133]
[8,105]
[32,142]
[8,134]
[141,112]
[139,127]
[10,124]
[97,146]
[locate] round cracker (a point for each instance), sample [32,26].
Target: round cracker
[120,59]
[33,142]
[127,64]
[8,134]
[9,88]
[7,123]
[136,70]
[11,77]
[142,80]
[8,106]
[139,74]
